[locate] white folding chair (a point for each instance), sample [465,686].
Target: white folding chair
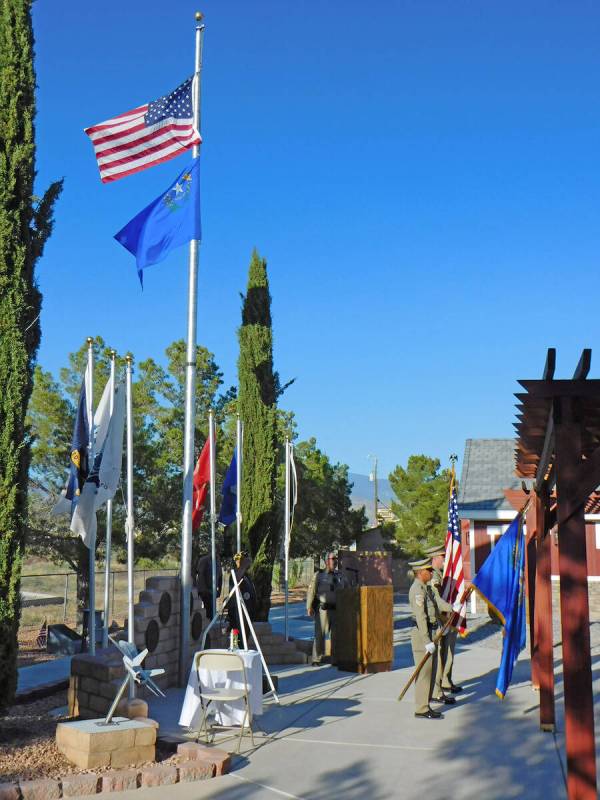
[223,663]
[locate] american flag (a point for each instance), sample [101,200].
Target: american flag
[42,637]
[453,581]
[148,135]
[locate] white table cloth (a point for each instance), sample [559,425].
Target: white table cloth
[231,713]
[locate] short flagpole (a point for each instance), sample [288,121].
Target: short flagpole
[286,540]
[109,510]
[213,508]
[238,497]
[190,396]
[92,456]
[130,521]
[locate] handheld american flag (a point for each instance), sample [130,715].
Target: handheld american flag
[453,582]
[146,136]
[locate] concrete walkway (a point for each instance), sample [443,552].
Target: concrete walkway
[345,735]
[339,734]
[47,673]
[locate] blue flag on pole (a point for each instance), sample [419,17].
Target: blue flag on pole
[78,462]
[168,222]
[501,583]
[229,492]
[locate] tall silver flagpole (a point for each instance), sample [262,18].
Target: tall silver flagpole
[238,483]
[92,456]
[109,510]
[286,541]
[130,522]
[213,508]
[190,397]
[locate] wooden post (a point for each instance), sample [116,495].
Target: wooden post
[530,571]
[543,615]
[574,607]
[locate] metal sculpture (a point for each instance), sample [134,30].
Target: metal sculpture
[133,661]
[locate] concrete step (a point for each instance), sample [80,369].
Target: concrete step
[266,638]
[287,658]
[262,628]
[304,645]
[278,649]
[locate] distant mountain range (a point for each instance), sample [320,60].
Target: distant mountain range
[363,493]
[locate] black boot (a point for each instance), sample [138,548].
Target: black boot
[445,699]
[429,714]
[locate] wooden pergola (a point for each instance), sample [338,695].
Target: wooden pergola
[558,448]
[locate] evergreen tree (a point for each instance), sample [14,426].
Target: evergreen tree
[258,391]
[422,491]
[25,225]
[324,518]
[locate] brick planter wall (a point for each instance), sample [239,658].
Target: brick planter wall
[95,679]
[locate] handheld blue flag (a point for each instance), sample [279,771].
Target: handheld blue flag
[78,463]
[229,492]
[168,222]
[501,583]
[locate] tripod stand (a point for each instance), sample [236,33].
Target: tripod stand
[244,618]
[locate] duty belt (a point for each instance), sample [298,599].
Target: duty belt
[432,626]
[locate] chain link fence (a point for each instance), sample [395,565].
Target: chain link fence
[50,598]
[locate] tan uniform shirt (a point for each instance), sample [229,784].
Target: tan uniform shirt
[436,587]
[323,587]
[423,609]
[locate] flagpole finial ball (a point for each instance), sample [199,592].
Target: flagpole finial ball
[90,340]
[113,353]
[199,16]
[129,359]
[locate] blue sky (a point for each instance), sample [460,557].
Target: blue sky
[422,177]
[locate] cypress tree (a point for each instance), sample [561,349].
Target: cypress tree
[25,224]
[257,407]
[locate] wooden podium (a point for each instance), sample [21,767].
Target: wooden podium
[364,632]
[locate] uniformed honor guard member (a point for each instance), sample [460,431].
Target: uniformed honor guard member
[447,646]
[425,625]
[321,602]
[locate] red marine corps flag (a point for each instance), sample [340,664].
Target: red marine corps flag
[453,581]
[201,484]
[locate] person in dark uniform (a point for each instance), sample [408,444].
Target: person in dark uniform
[203,581]
[242,564]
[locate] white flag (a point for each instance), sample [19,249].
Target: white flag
[293,499]
[103,480]
[101,420]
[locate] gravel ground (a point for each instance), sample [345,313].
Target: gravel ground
[36,655]
[27,742]
[27,748]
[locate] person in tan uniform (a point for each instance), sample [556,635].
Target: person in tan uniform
[425,625]
[443,682]
[321,602]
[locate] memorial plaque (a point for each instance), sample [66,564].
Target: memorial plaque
[152,635]
[196,626]
[164,607]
